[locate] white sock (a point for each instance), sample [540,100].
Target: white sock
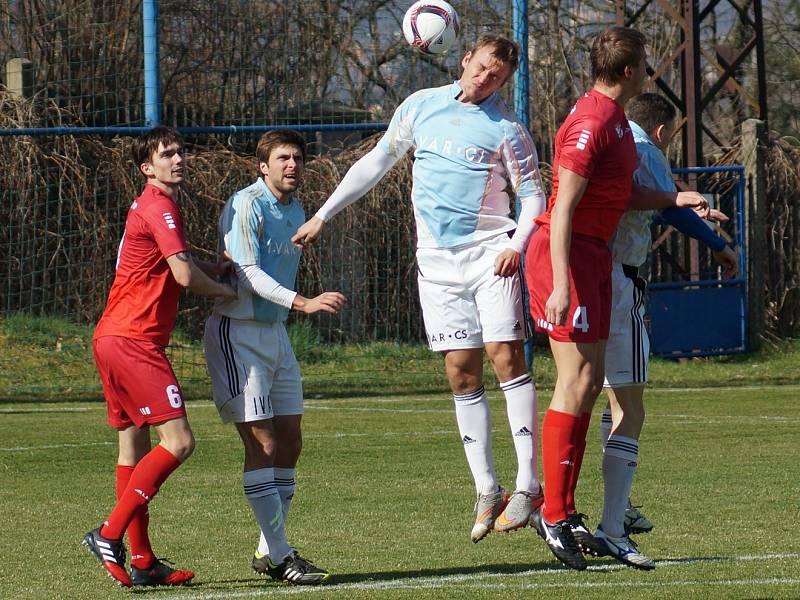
[285,483]
[475,428]
[261,493]
[619,466]
[523,418]
[605,427]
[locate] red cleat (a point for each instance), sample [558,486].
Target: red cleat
[110,553]
[160,574]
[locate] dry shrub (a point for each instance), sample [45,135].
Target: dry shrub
[782,218]
[66,198]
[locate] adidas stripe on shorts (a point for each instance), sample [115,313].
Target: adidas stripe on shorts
[628,347]
[254,373]
[464,304]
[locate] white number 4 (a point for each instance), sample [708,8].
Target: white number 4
[580,320]
[174,395]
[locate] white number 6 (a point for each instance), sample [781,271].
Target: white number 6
[174,395]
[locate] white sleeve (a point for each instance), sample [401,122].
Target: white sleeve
[255,280]
[358,180]
[531,207]
[522,163]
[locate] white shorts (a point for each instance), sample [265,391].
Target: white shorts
[464,304]
[254,373]
[628,347]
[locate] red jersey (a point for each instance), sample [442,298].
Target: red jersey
[595,141]
[143,301]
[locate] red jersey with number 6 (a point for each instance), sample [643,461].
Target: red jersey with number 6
[595,141]
[143,301]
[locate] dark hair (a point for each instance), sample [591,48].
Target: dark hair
[650,110]
[279,137]
[143,147]
[503,49]
[613,50]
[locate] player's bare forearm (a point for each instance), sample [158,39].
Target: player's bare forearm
[203,285]
[557,304]
[571,188]
[643,198]
[308,232]
[330,302]
[213,270]
[190,276]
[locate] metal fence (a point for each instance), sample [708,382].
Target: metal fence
[82,75]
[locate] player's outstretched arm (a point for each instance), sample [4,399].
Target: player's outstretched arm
[329,302]
[643,198]
[359,179]
[190,276]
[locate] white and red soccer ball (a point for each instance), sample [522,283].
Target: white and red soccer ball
[431,26]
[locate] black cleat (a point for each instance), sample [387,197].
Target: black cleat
[583,537]
[260,564]
[560,540]
[295,570]
[110,553]
[160,574]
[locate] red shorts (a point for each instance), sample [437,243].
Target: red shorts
[138,382]
[589,313]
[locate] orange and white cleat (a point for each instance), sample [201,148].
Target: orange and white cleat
[487,509]
[518,511]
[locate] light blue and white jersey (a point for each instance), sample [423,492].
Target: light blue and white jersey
[633,239]
[256,229]
[467,159]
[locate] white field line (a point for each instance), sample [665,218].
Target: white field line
[89,444]
[478,581]
[313,402]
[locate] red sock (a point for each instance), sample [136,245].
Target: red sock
[558,456]
[142,555]
[143,485]
[580,448]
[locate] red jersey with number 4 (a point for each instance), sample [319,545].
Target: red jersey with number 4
[595,141]
[143,301]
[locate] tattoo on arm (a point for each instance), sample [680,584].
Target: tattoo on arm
[182,256]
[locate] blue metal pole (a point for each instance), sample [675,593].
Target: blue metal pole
[152,87]
[521,79]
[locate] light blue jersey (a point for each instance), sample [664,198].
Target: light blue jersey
[256,229]
[467,158]
[633,238]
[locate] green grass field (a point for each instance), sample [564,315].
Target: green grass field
[384,501]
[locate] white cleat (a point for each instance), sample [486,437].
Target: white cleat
[624,550]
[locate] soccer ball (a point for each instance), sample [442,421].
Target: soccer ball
[431,25]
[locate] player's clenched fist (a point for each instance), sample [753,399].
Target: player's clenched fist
[308,232]
[329,302]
